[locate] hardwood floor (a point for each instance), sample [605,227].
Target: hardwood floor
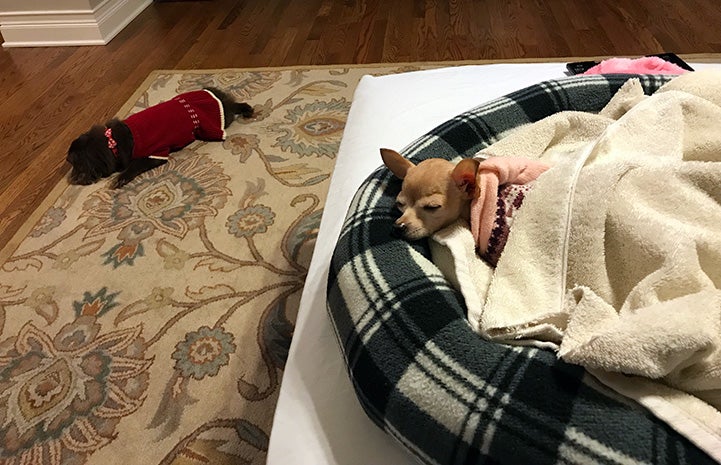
[49,95]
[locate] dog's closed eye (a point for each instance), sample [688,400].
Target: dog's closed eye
[400,205]
[431,207]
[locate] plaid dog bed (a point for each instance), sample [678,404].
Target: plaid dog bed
[419,370]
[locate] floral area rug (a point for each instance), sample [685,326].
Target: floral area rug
[150,324]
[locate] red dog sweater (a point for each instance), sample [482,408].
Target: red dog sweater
[172,125]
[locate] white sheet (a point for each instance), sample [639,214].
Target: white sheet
[319,420]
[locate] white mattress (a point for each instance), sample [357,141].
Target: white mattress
[318,419]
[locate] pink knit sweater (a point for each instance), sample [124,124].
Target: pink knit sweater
[502,184]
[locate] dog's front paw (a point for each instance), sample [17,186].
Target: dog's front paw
[119,182]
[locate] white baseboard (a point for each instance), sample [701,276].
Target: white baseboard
[69,28]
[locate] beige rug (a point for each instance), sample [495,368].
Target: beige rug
[150,324]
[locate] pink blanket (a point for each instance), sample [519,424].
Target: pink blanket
[645,65]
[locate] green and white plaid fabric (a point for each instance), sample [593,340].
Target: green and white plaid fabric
[426,378]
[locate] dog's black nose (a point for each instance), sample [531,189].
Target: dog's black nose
[399,229]
[79,180]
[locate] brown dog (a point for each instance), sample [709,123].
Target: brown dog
[487,194]
[435,192]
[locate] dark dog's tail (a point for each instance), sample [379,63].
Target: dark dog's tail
[230,106]
[243,109]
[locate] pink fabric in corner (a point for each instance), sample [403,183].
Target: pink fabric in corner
[645,65]
[492,173]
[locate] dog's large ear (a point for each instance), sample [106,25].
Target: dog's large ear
[397,163]
[464,175]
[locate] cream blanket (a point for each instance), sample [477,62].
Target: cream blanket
[615,258]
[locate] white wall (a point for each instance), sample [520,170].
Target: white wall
[45,5]
[37,23]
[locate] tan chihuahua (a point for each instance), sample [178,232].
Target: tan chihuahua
[434,194]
